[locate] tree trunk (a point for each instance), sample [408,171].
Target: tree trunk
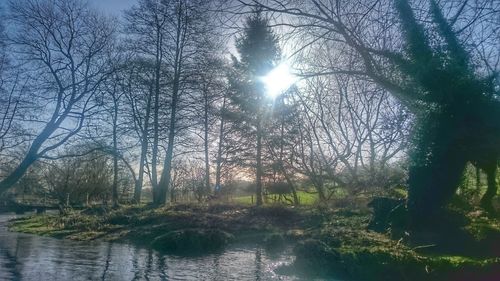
[115,181]
[486,200]
[17,174]
[436,171]
[164,183]
[219,150]
[30,158]
[144,151]
[207,160]
[478,179]
[282,167]
[321,190]
[294,190]
[258,180]
[166,175]
[167,170]
[140,177]
[156,124]
[115,154]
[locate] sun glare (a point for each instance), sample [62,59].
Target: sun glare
[278,80]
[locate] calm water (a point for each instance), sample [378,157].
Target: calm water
[29,257]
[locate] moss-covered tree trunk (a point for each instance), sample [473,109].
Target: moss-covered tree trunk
[438,163]
[487,199]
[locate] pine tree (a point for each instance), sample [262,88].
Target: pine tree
[259,53]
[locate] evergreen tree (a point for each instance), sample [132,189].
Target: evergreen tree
[259,53]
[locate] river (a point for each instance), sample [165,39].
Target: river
[31,257]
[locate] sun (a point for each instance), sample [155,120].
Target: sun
[278,80]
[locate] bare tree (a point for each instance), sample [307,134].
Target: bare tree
[139,90]
[189,23]
[210,88]
[148,24]
[115,111]
[168,32]
[11,88]
[81,179]
[65,45]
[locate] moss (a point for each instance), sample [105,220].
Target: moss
[84,236]
[365,263]
[40,225]
[192,241]
[483,227]
[368,255]
[459,261]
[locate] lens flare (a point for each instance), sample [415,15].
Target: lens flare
[278,80]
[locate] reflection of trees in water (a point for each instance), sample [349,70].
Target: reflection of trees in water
[154,263]
[149,264]
[258,264]
[145,264]
[9,261]
[162,267]
[10,250]
[135,264]
[216,266]
[107,262]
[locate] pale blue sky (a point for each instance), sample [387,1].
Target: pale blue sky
[114,7]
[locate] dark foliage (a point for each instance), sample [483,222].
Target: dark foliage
[457,119]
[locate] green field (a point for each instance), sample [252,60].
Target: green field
[305,198]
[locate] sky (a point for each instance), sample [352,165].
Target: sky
[114,7]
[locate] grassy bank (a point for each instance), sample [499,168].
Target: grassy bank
[328,241]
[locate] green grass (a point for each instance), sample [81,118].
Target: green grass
[305,199]
[245,200]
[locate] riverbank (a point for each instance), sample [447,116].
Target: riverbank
[327,242]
